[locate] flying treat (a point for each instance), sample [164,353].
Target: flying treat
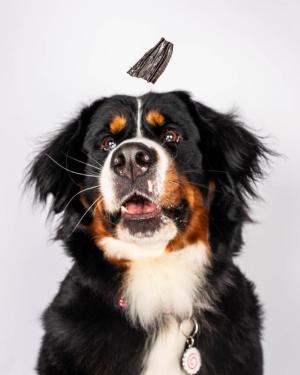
[151,66]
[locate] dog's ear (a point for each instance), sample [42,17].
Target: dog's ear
[233,161]
[233,156]
[50,171]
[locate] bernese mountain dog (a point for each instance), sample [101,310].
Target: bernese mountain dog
[152,194]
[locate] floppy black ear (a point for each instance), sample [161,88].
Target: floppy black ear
[233,160]
[48,171]
[233,156]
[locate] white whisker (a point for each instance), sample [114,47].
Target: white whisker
[89,156]
[82,162]
[90,207]
[69,170]
[81,191]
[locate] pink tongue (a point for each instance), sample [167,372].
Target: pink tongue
[140,208]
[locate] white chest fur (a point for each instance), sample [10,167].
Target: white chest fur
[165,353]
[165,284]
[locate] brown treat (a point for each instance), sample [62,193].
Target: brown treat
[154,62]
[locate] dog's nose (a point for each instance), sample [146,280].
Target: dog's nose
[132,160]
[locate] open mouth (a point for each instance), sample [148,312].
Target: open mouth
[138,207]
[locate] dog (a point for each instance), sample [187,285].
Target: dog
[152,196]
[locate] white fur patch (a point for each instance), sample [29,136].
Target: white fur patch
[166,352]
[131,247]
[139,118]
[106,185]
[165,284]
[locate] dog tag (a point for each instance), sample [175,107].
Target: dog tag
[191,360]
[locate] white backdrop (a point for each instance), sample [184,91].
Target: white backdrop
[56,55]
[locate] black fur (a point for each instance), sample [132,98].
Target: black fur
[85,331]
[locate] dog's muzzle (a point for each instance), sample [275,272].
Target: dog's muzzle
[133,168]
[132,183]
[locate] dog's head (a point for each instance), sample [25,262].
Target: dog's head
[150,175]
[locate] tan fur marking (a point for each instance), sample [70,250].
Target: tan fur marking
[98,231]
[197,228]
[97,227]
[117,124]
[176,188]
[155,118]
[172,193]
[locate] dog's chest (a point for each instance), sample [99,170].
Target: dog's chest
[167,287]
[165,353]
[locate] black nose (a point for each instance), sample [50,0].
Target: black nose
[132,160]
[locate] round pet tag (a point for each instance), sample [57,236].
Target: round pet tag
[191,360]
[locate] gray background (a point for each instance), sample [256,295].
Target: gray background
[58,55]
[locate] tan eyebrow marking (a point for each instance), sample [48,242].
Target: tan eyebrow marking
[155,118]
[117,124]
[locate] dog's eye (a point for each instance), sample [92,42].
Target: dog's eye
[171,136]
[108,143]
